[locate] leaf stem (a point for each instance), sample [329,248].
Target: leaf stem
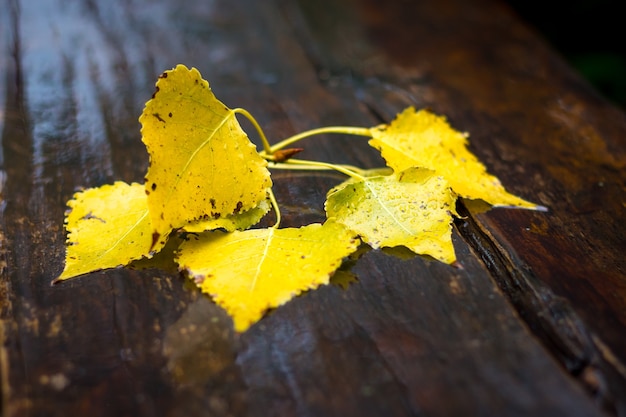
[274,204]
[346,130]
[294,166]
[266,145]
[344,169]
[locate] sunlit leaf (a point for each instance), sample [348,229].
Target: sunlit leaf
[249,272]
[423,139]
[107,227]
[201,161]
[205,174]
[411,208]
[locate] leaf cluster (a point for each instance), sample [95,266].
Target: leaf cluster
[207,186]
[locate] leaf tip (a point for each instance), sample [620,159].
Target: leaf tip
[457,265]
[62,277]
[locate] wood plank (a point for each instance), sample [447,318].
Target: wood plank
[513,333]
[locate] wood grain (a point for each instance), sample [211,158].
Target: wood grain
[532,325]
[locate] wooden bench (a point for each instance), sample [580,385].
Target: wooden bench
[534,323]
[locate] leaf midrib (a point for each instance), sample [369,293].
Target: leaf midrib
[389,213]
[193,155]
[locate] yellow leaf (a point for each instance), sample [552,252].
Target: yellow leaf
[232,222]
[201,161]
[411,208]
[423,139]
[107,227]
[250,272]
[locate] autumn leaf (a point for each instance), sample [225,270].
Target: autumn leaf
[250,272]
[205,174]
[201,161]
[423,139]
[232,222]
[107,227]
[411,208]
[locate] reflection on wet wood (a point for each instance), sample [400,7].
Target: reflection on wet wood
[533,324]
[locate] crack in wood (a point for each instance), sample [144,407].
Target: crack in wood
[548,317]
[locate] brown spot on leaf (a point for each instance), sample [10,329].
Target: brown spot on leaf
[159,118]
[170,114]
[155,92]
[212,201]
[153,186]
[164,75]
[155,239]
[238,208]
[90,216]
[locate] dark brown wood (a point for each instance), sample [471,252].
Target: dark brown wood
[533,324]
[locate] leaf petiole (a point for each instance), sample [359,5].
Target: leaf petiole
[267,149]
[274,204]
[294,166]
[345,130]
[352,172]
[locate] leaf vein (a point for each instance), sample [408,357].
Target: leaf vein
[263,257]
[389,213]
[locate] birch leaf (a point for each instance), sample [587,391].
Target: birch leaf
[107,227]
[423,139]
[411,208]
[201,161]
[249,272]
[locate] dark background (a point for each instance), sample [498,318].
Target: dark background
[591,35]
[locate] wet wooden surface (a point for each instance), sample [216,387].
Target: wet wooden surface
[533,325]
